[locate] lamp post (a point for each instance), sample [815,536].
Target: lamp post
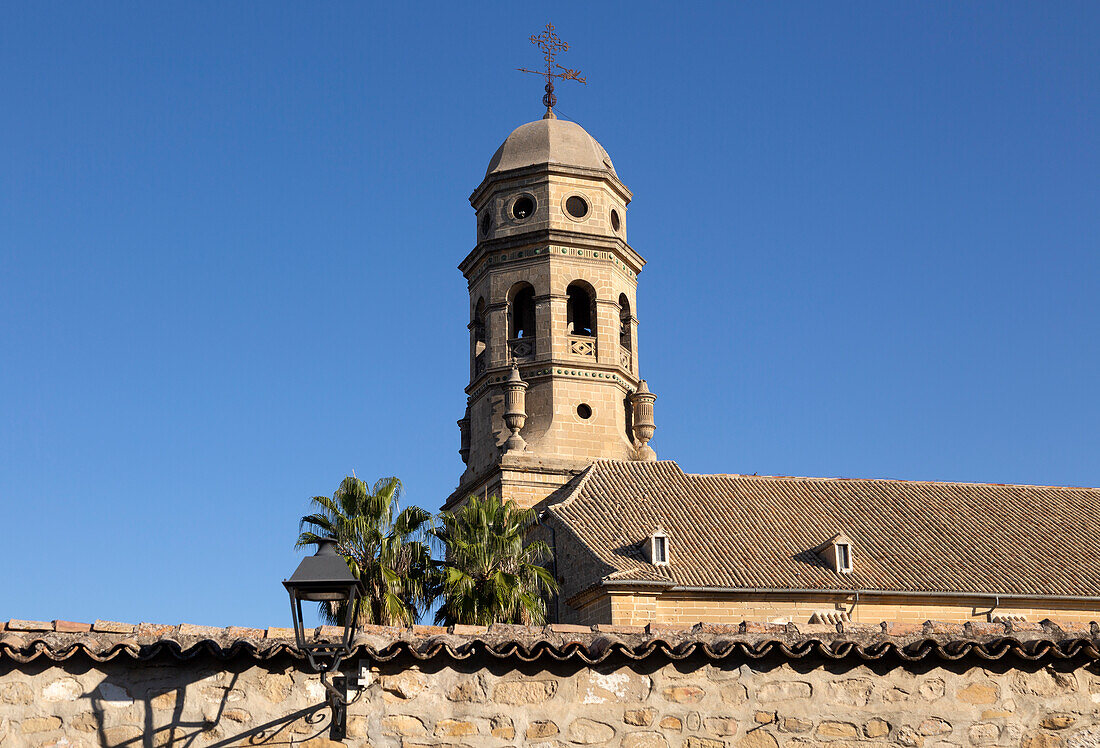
[325,577]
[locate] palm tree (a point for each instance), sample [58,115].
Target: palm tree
[489,574]
[386,547]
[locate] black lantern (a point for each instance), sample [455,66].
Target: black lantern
[325,577]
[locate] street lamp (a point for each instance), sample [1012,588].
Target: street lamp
[325,577]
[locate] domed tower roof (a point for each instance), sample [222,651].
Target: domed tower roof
[549,141]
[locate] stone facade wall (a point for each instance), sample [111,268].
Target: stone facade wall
[640,608]
[651,703]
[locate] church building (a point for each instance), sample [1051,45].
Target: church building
[558,417]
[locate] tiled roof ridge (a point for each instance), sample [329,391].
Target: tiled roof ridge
[27,641]
[840,478]
[889,480]
[579,481]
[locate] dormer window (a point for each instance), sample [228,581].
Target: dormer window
[658,548]
[837,553]
[844,558]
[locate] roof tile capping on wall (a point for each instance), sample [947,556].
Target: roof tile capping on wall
[747,685]
[27,641]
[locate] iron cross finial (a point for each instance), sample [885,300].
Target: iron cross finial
[550,44]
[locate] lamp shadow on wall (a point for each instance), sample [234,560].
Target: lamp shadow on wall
[164,691]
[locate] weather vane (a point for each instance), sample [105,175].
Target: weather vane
[550,44]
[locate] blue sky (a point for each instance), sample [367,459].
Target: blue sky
[229,232]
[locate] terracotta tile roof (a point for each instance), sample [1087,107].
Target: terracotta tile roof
[742,531]
[557,643]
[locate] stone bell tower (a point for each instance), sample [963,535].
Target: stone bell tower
[554,381]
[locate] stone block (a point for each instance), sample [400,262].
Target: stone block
[501,726]
[943,628]
[406,685]
[784,691]
[644,740]
[623,685]
[978,693]
[735,694]
[242,632]
[672,723]
[1042,740]
[932,689]
[203,632]
[983,733]
[166,701]
[986,628]
[1057,721]
[373,629]
[524,691]
[851,691]
[403,724]
[934,726]
[122,735]
[758,739]
[419,630]
[621,629]
[876,728]
[462,629]
[16,693]
[276,687]
[722,726]
[454,728]
[832,729]
[62,689]
[16,624]
[795,725]
[154,629]
[903,630]
[541,729]
[683,694]
[586,731]
[471,689]
[40,724]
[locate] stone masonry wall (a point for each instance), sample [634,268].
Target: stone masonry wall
[641,608]
[650,702]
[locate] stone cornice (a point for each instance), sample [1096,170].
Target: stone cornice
[545,242]
[503,178]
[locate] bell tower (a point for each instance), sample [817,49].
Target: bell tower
[554,381]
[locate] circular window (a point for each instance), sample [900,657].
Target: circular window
[523,207]
[584,410]
[576,206]
[486,222]
[615,223]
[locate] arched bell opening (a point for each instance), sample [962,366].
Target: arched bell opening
[521,322]
[626,334]
[477,329]
[625,322]
[580,309]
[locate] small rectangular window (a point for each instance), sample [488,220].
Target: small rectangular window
[844,557]
[660,552]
